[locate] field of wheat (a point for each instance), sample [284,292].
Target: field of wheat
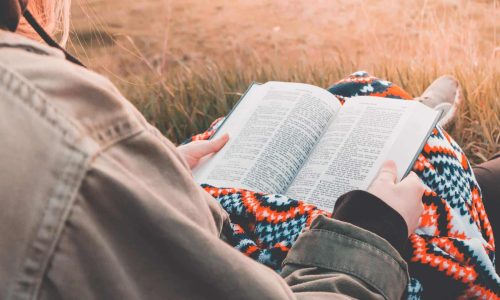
[185,62]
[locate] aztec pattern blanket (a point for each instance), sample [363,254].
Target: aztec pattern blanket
[453,249]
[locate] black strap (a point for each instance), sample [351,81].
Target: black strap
[48,39]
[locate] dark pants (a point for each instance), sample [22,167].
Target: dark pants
[488,177]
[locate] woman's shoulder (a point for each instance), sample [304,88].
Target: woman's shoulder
[75,99]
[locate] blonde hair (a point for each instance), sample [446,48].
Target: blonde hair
[53,16]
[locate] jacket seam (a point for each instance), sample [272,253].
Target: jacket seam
[26,47]
[343,267]
[112,141]
[51,225]
[72,196]
[352,273]
[359,242]
[53,116]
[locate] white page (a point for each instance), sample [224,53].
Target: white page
[365,132]
[272,132]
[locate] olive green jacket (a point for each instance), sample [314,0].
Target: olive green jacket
[97,204]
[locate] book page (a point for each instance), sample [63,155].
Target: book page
[366,131]
[272,132]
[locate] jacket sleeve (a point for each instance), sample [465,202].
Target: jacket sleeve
[141,228]
[338,257]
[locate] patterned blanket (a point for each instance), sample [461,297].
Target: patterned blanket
[453,248]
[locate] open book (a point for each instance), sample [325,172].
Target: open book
[298,140]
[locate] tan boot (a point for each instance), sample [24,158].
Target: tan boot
[443,94]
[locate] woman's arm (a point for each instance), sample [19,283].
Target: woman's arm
[138,227]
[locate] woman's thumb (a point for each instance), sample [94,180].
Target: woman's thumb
[217,144]
[203,148]
[388,172]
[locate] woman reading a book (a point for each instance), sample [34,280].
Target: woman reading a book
[96,203]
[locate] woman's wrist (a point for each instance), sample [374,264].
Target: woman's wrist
[367,211]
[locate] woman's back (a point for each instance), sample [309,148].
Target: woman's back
[76,218]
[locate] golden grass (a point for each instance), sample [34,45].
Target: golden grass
[191,100]
[201,57]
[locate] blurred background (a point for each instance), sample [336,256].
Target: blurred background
[185,62]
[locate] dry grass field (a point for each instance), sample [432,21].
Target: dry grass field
[185,62]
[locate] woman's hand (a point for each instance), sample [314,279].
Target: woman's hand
[196,150]
[405,197]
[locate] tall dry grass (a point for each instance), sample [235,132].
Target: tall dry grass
[182,76]
[190,100]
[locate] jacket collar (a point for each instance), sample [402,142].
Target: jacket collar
[13,40]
